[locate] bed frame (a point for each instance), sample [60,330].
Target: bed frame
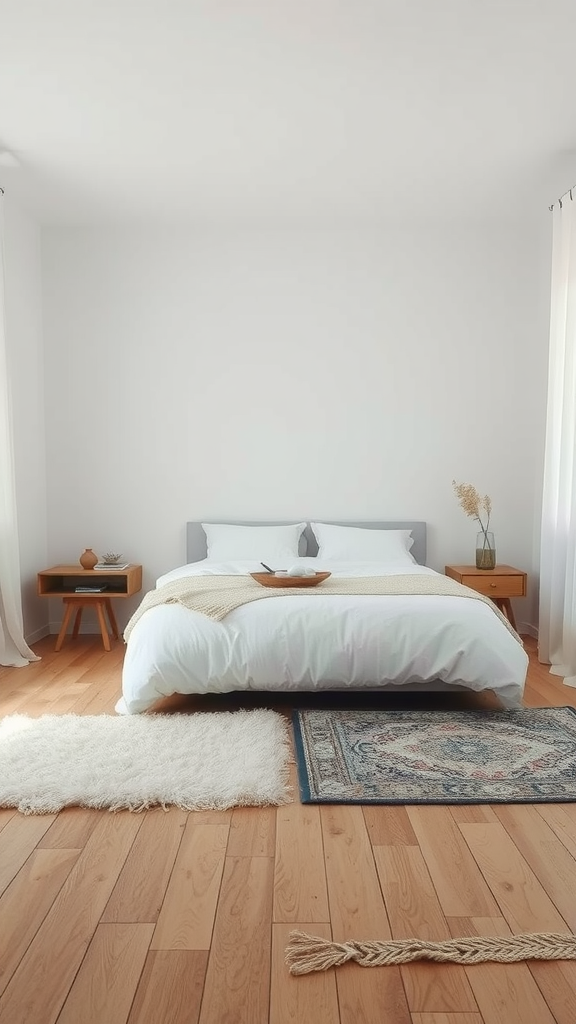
[196,538]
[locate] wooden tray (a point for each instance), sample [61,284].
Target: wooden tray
[267,579]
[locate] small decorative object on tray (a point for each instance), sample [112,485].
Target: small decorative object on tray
[269,579]
[111,561]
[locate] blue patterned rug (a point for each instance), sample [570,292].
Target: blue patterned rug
[436,757]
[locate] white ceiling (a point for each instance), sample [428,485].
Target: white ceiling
[256,111]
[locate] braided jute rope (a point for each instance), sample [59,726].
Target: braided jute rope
[306,953]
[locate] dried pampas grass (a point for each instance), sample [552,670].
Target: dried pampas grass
[473,503]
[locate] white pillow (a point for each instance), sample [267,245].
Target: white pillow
[356,544]
[271,544]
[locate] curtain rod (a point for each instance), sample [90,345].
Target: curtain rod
[559,201]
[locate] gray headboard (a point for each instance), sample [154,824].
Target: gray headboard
[196,538]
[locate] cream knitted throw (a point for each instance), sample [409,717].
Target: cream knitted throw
[216,596]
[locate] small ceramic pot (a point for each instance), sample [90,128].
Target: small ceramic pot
[88,559]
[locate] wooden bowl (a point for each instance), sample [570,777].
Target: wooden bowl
[267,579]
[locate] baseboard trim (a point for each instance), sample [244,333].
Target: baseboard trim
[85,630]
[527,629]
[37,635]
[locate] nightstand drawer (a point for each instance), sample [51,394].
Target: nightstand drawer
[499,584]
[493,585]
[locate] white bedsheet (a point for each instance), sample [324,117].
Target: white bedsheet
[313,643]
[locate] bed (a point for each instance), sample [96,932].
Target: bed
[318,639]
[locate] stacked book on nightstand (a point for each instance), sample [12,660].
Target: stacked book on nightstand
[111,565]
[95,588]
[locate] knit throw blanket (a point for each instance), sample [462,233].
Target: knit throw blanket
[216,596]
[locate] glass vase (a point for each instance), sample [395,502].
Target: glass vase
[485,550]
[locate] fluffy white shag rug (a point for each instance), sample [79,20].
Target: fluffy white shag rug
[204,761]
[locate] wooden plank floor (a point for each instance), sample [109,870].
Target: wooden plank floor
[183,918]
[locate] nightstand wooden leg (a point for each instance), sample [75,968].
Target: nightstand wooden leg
[77,622]
[68,609]
[505,605]
[112,618]
[102,620]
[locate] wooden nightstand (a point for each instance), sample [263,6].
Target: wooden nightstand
[499,584]
[62,580]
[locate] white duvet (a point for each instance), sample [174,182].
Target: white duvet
[320,642]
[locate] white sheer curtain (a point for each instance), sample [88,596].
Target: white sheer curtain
[557,627]
[13,648]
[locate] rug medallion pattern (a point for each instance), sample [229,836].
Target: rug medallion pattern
[363,756]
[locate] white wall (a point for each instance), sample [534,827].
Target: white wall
[26,369]
[261,374]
